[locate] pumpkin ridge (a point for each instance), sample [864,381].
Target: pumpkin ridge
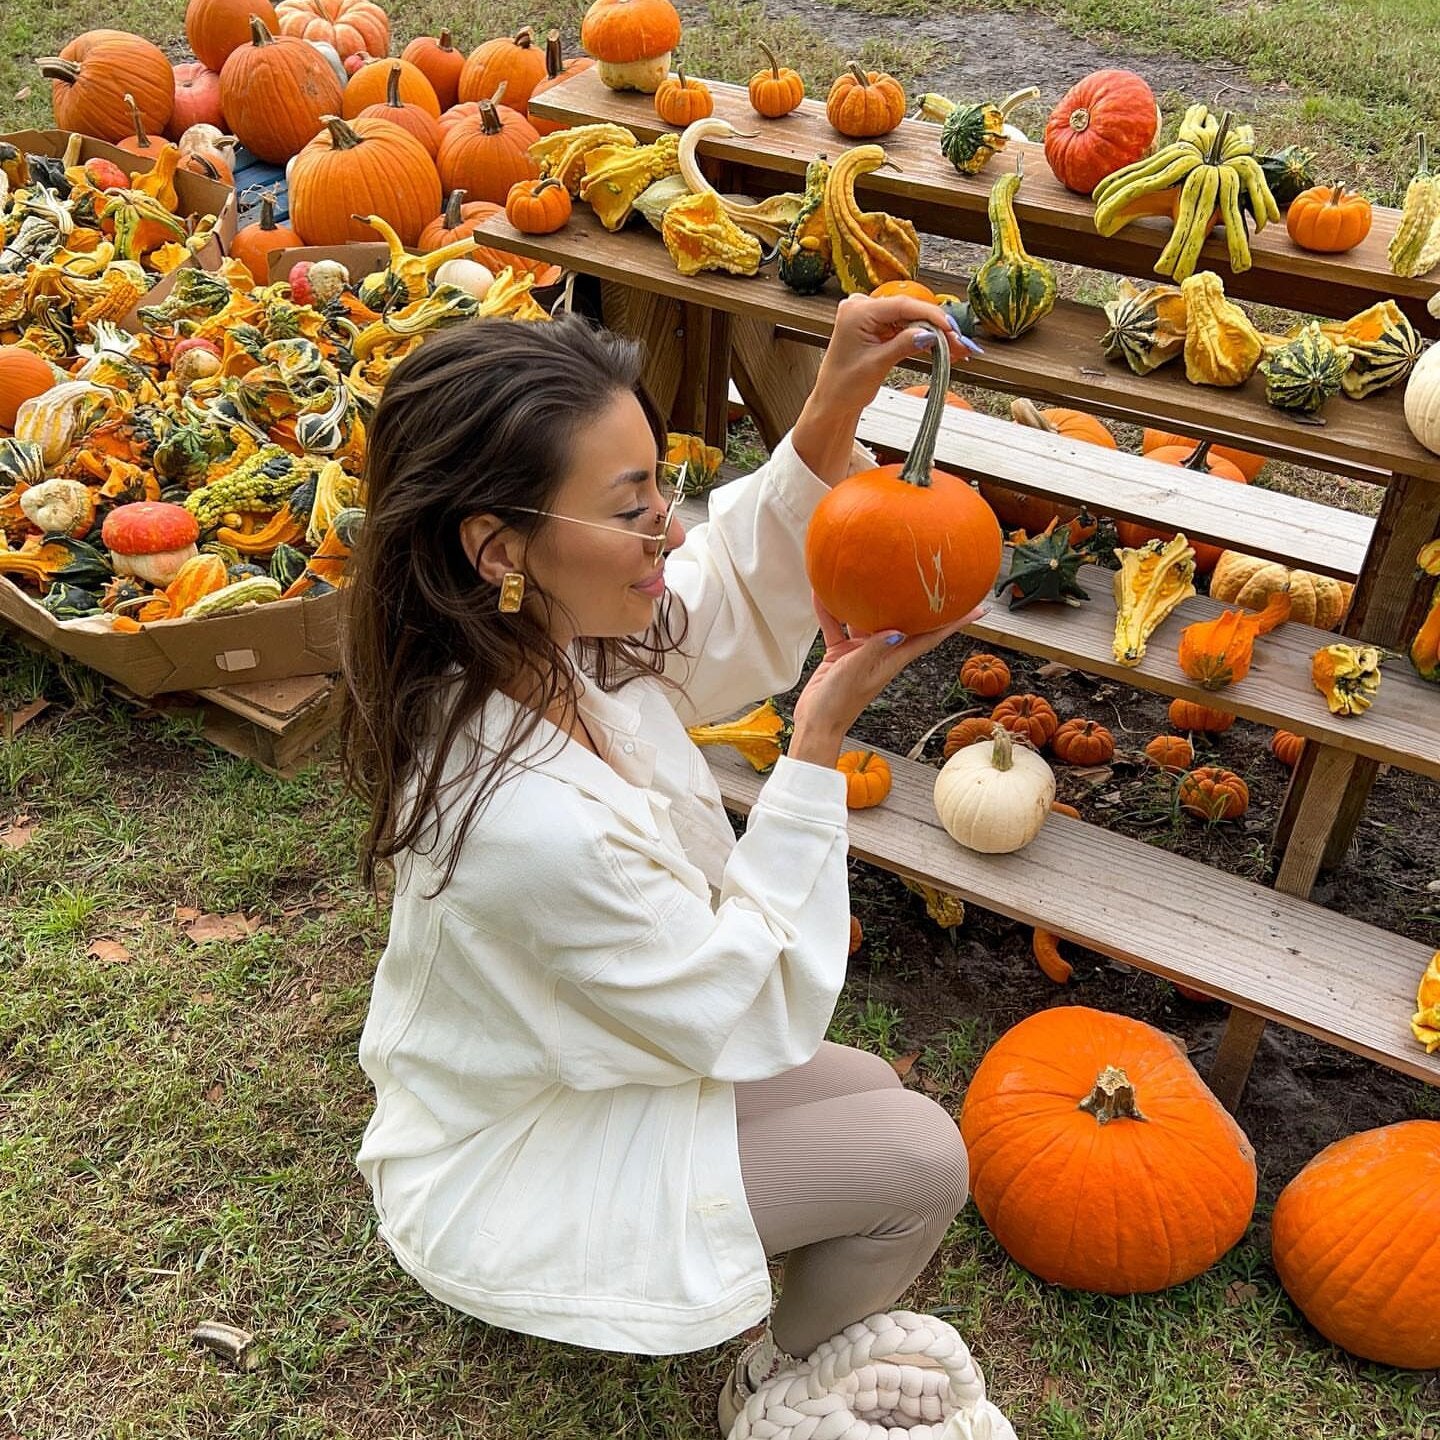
[1351,1240]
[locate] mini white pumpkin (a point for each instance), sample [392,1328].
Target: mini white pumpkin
[994,798]
[1422,400]
[469,275]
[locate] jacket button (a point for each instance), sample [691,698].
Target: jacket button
[629,747]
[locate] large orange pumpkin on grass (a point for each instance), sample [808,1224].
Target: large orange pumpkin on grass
[88,85]
[362,167]
[349,25]
[439,62]
[216,27]
[274,92]
[516,62]
[1098,1158]
[370,85]
[1202,459]
[487,152]
[1356,1242]
[905,547]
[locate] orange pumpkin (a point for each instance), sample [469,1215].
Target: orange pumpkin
[631,41]
[1200,458]
[913,290]
[89,85]
[967,732]
[253,243]
[1018,510]
[216,27]
[1214,793]
[1029,715]
[857,935]
[440,63]
[487,152]
[1353,1240]
[777,90]
[863,104]
[197,99]
[867,778]
[1099,1159]
[1216,653]
[1083,742]
[457,222]
[349,25]
[275,92]
[869,531]
[1328,219]
[985,675]
[1187,715]
[681,100]
[371,85]
[1172,753]
[23,375]
[516,63]
[538,207]
[1247,464]
[951,398]
[139,142]
[362,167]
[557,69]
[409,115]
[1286,746]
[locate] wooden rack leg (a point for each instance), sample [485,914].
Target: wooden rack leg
[702,406]
[774,376]
[655,321]
[1323,798]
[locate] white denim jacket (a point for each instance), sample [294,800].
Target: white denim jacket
[554,1039]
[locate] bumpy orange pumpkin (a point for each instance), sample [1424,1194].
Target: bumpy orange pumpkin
[1214,793]
[967,732]
[863,104]
[1083,742]
[1098,1158]
[274,92]
[440,63]
[867,778]
[1328,218]
[681,100]
[1187,715]
[537,207]
[776,91]
[487,152]
[985,675]
[513,61]
[1354,1242]
[1286,747]
[1171,752]
[1032,716]
[351,26]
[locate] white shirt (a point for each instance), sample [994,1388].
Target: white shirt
[554,1039]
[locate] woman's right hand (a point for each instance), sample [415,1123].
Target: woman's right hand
[856,668]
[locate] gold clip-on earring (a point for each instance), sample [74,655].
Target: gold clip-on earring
[512,592]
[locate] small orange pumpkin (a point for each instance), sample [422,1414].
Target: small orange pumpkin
[23,376]
[1214,793]
[913,290]
[1032,716]
[776,91]
[863,104]
[538,207]
[1200,458]
[440,63]
[681,100]
[951,398]
[515,62]
[1328,219]
[254,242]
[1285,746]
[967,732]
[486,152]
[1083,742]
[1187,715]
[867,778]
[140,142]
[1172,753]
[985,675]
[857,935]
[1247,464]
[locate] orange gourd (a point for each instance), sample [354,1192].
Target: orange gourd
[1200,458]
[1187,715]
[1216,653]
[1172,753]
[440,63]
[904,547]
[1029,715]
[1247,464]
[23,375]
[985,675]
[487,152]
[216,27]
[951,398]
[857,935]
[457,221]
[362,167]
[1286,747]
[538,207]
[775,91]
[253,243]
[1328,219]
[1099,1159]
[351,26]
[557,69]
[1083,742]
[88,85]
[967,732]
[863,104]
[514,62]
[1046,949]
[275,92]
[374,82]
[681,100]
[1354,1243]
[1214,793]
[1059,807]
[632,41]
[410,115]
[867,778]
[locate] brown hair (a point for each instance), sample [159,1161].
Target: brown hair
[482,418]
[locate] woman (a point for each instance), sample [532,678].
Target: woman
[596,1036]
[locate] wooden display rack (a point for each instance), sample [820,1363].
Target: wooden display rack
[1270,953]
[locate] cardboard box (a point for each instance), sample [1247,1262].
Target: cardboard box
[265,642]
[360,258]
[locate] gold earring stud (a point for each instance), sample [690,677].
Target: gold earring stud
[512,592]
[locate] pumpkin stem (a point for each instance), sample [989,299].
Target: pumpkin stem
[443,42]
[861,78]
[1080,119]
[917,466]
[52,67]
[1015,101]
[489,115]
[1113,1097]
[554,56]
[451,213]
[770,59]
[1002,748]
[680,72]
[524,37]
[545,184]
[267,212]
[392,88]
[259,35]
[1023,412]
[138,121]
[342,137]
[1336,191]
[1196,459]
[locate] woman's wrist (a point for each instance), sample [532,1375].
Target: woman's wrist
[815,745]
[824,438]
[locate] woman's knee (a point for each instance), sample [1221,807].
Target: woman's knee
[857,1071]
[933,1160]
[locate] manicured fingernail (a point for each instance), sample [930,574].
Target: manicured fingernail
[971,346]
[924,339]
[894,639]
[954,324]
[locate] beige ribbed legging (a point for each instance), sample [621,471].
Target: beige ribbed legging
[854,1179]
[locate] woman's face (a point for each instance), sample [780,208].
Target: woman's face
[605,581]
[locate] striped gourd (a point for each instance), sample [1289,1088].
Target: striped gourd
[1147,326]
[1384,348]
[258,589]
[1303,373]
[1011,291]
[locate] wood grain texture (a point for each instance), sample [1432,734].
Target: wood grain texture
[1057,223]
[1282,958]
[774,376]
[1059,361]
[1299,532]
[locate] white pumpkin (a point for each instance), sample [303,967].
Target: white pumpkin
[1433,305]
[470,275]
[994,798]
[1422,400]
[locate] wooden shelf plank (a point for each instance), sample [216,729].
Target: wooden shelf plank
[1060,358]
[1290,961]
[1301,533]
[1057,223]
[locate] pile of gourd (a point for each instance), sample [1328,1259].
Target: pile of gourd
[208,457]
